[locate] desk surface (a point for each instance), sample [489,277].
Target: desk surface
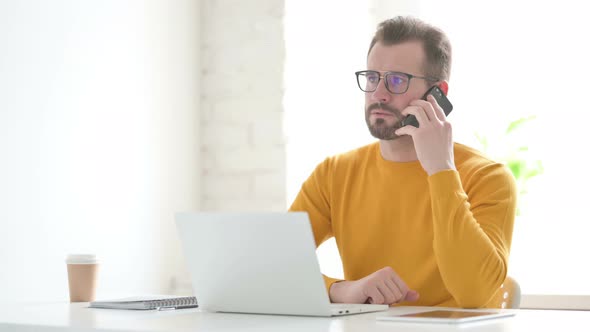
[77,317]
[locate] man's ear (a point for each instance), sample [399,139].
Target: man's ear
[444,86]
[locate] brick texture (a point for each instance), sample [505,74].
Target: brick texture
[242,142]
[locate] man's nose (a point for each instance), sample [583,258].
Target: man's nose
[381,94]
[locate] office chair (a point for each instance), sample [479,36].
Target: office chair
[508,296]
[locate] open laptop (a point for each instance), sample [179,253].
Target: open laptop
[261,263]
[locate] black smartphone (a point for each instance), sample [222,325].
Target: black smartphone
[442,101]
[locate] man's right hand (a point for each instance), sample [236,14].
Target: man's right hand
[380,287]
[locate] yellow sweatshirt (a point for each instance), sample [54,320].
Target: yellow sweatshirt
[447,235]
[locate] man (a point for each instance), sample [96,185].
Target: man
[418,219]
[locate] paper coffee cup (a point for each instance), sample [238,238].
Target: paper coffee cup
[81,259]
[82,277]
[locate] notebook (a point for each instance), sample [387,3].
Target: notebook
[148,302]
[263,263]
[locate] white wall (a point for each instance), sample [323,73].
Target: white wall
[243,147]
[98,141]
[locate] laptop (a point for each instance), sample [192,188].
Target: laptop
[261,263]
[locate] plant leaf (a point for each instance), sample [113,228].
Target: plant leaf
[516,167]
[518,123]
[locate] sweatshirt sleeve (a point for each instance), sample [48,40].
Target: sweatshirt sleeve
[314,198]
[473,231]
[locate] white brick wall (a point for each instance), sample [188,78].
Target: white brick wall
[242,142]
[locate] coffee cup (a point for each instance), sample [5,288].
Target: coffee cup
[82,277]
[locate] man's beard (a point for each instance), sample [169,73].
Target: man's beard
[380,129]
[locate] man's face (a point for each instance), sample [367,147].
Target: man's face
[383,108]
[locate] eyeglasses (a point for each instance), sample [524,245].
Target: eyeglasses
[395,82]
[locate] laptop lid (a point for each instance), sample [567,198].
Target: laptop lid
[253,262]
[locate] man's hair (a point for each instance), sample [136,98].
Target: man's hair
[435,43]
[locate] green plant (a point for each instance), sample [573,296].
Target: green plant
[514,154]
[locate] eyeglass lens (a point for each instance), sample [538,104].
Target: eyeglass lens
[395,82]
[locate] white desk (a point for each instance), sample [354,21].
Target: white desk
[76,317]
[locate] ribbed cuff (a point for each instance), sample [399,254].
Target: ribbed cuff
[444,182]
[329,282]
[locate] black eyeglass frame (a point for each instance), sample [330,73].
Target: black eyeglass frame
[385,74]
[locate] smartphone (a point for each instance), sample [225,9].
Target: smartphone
[442,101]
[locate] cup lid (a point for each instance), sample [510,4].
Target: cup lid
[81,259]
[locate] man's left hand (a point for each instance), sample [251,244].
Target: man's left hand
[433,141]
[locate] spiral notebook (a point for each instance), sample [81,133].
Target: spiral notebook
[159,302]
